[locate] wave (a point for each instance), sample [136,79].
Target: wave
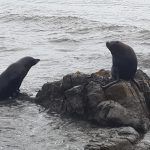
[74,25]
[24,17]
[63,39]
[90,24]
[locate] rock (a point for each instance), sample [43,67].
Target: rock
[74,79]
[144,82]
[144,144]
[130,97]
[103,73]
[95,95]
[140,75]
[74,102]
[101,77]
[122,104]
[80,94]
[51,96]
[124,93]
[110,113]
[129,133]
[114,139]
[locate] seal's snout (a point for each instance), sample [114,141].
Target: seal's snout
[107,44]
[37,60]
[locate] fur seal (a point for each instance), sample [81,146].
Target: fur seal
[12,77]
[124,62]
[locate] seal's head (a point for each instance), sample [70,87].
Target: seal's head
[117,47]
[28,61]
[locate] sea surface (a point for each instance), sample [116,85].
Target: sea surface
[68,36]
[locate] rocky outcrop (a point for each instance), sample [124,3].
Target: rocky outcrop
[122,104]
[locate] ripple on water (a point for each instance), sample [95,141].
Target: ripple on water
[24,126]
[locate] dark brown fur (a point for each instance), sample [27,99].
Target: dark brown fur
[124,61]
[12,77]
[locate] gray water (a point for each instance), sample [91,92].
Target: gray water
[68,36]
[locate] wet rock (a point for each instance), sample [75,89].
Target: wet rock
[114,139]
[95,95]
[144,144]
[122,104]
[74,102]
[74,79]
[104,73]
[140,75]
[112,144]
[110,113]
[51,96]
[144,83]
[126,94]
[102,77]
[129,133]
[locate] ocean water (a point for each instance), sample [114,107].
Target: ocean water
[68,36]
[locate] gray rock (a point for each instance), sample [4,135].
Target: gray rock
[144,144]
[74,79]
[132,99]
[51,96]
[110,113]
[74,102]
[144,83]
[95,95]
[114,139]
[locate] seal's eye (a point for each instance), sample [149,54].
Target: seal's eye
[117,42]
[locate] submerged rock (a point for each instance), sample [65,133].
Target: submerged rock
[122,104]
